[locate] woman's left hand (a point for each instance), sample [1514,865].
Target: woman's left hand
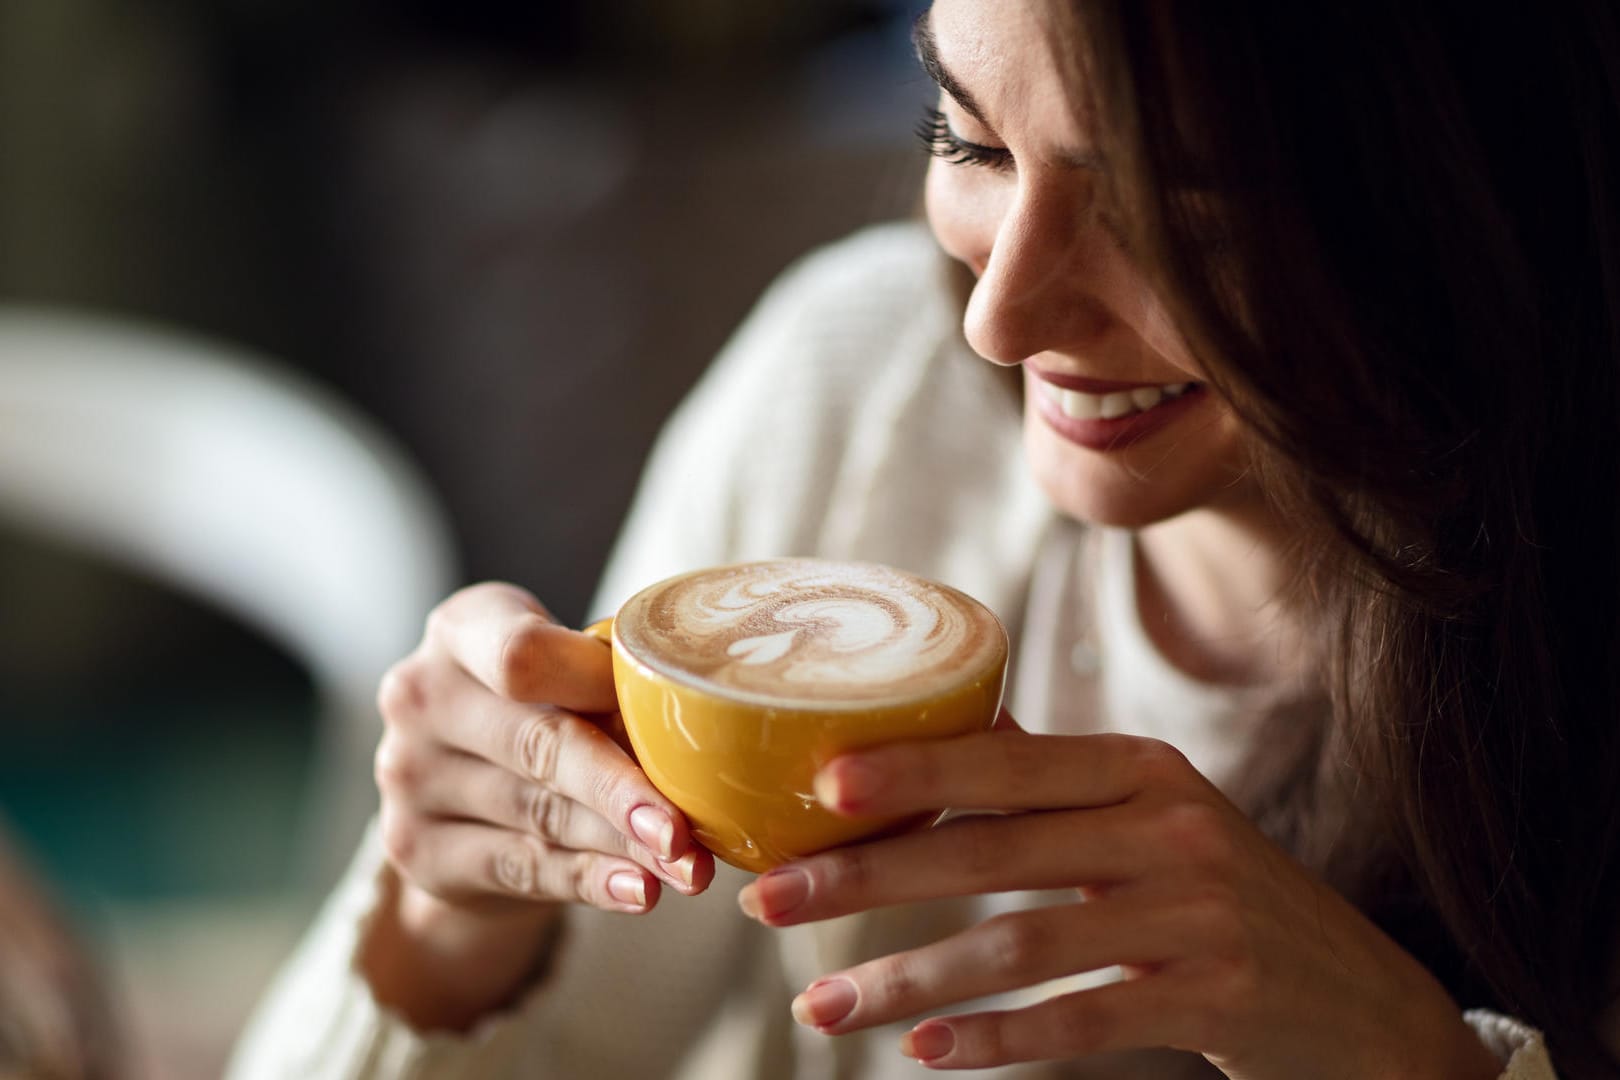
[1229,948]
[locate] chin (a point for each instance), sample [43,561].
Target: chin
[1135,487]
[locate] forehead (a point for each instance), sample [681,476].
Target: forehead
[1014,58]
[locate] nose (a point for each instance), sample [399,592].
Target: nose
[1041,279]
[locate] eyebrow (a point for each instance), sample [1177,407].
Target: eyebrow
[922,38]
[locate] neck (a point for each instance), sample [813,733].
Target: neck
[1210,587]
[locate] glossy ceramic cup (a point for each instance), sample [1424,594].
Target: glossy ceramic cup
[742,771]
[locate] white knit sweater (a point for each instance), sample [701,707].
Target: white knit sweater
[846,419]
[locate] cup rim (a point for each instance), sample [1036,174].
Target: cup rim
[997,659]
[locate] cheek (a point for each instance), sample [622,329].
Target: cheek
[963,215]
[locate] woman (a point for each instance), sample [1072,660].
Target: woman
[1316,314]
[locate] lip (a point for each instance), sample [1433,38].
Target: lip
[1109,435]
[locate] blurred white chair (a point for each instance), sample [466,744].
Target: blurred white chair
[238,483]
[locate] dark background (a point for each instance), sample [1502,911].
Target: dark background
[511,234]
[502,229]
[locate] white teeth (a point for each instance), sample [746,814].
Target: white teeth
[1079,405]
[1116,405]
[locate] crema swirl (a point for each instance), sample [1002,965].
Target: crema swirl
[809,631]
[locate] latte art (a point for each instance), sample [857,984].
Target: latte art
[806,630]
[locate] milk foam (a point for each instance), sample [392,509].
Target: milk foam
[806,630]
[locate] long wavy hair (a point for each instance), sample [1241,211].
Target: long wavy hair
[1391,232]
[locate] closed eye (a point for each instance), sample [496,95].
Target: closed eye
[939,140]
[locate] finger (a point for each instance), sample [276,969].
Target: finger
[967,856]
[999,770]
[449,784]
[1006,952]
[1138,1014]
[568,754]
[507,640]
[462,862]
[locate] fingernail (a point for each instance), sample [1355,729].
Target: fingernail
[627,888]
[654,829]
[928,1042]
[846,784]
[681,869]
[825,1003]
[774,894]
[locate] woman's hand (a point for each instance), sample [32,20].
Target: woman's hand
[1228,947]
[505,795]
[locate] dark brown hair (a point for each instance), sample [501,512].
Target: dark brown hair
[1391,231]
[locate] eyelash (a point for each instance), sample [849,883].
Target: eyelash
[940,141]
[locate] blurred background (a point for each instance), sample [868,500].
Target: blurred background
[309,312]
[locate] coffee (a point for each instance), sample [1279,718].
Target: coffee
[737,683]
[809,633]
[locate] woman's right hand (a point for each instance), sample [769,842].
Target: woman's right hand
[504,797]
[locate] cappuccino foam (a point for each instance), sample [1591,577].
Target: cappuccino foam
[809,632]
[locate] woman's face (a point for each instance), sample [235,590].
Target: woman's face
[1118,426]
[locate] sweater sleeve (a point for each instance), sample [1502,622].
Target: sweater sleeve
[1518,1046]
[320,1020]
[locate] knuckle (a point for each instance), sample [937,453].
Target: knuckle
[1029,761]
[1215,910]
[438,620]
[1216,916]
[517,868]
[1196,831]
[894,979]
[579,883]
[1223,928]
[1160,762]
[848,869]
[611,790]
[547,813]
[520,660]
[989,1040]
[1242,987]
[1017,944]
[402,691]
[396,769]
[401,837]
[921,765]
[538,745]
[1225,1011]
[981,847]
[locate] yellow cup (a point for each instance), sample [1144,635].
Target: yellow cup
[742,771]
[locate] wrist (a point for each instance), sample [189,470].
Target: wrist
[444,966]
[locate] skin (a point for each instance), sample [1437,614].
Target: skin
[505,797]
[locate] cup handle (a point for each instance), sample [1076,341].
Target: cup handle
[613,723]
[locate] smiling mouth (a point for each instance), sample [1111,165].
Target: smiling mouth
[1114,405]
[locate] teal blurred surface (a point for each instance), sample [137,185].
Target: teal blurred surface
[150,749]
